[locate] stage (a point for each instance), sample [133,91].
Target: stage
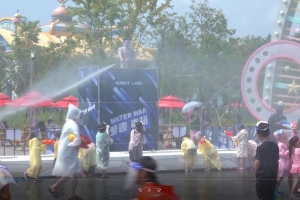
[168,160]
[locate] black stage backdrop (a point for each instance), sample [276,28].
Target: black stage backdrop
[126,96]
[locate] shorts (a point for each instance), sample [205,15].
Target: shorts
[265,188]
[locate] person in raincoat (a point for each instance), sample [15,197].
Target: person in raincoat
[67,163]
[5,179]
[35,159]
[210,153]
[189,150]
[89,160]
[143,173]
[55,146]
[241,138]
[80,158]
[137,140]
[103,141]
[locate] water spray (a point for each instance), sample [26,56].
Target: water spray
[10,111]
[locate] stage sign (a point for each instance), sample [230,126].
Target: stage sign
[126,96]
[88,102]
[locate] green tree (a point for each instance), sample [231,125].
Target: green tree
[175,58]
[100,17]
[140,16]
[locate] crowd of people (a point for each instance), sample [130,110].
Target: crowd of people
[276,157]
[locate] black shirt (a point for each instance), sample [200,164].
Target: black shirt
[268,154]
[272,122]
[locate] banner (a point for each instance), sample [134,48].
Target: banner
[126,97]
[88,102]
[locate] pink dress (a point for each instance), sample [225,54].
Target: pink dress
[284,160]
[296,161]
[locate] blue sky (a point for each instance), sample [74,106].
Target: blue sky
[248,17]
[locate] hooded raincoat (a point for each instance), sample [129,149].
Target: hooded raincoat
[189,151]
[102,150]
[35,165]
[210,153]
[67,163]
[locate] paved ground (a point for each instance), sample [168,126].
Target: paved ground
[200,185]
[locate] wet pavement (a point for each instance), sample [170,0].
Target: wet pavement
[197,186]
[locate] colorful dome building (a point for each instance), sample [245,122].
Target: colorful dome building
[57,27]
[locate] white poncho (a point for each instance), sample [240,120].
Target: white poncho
[67,163]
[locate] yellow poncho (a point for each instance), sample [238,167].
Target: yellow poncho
[211,156]
[35,149]
[190,157]
[87,157]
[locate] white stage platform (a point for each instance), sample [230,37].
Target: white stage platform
[167,160]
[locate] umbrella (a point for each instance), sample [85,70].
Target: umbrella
[64,102]
[170,102]
[190,106]
[28,99]
[4,99]
[44,103]
[32,99]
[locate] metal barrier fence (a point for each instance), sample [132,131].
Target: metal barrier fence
[15,141]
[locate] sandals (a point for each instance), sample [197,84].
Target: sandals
[54,194]
[75,198]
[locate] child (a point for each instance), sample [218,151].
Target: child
[55,146]
[189,150]
[284,159]
[80,158]
[242,138]
[266,163]
[143,173]
[137,140]
[35,149]
[89,160]
[252,146]
[294,153]
[211,156]
[103,141]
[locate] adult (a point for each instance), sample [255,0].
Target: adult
[137,140]
[51,124]
[41,130]
[67,164]
[205,119]
[274,122]
[126,54]
[242,138]
[161,123]
[103,141]
[195,122]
